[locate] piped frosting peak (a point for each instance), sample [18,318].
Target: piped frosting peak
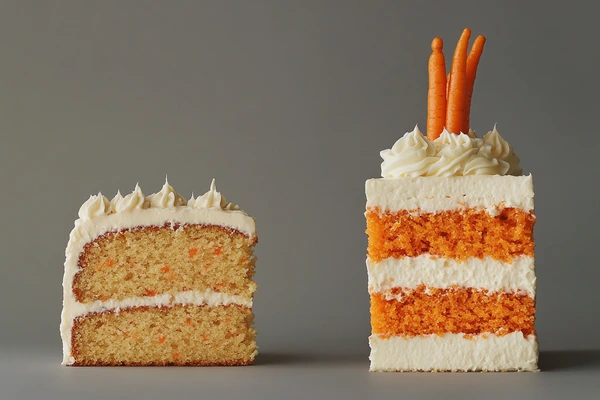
[94,207]
[449,155]
[166,198]
[212,199]
[134,200]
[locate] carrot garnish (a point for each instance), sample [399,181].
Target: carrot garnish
[188,321]
[456,106]
[218,251]
[192,252]
[150,292]
[436,95]
[161,339]
[176,356]
[472,63]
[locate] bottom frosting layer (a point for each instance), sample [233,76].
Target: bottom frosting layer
[177,335]
[454,352]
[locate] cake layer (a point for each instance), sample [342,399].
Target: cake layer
[426,310]
[458,234]
[73,310]
[454,352]
[434,194]
[178,335]
[412,272]
[150,260]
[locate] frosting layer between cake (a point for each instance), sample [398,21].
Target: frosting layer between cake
[485,274]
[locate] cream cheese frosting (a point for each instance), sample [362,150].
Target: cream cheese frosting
[414,155]
[166,198]
[454,352]
[485,274]
[211,199]
[98,216]
[435,194]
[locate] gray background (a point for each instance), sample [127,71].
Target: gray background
[287,105]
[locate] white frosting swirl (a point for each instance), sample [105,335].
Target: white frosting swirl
[411,155]
[166,198]
[454,151]
[95,206]
[211,199]
[449,155]
[134,200]
[113,203]
[483,163]
[502,150]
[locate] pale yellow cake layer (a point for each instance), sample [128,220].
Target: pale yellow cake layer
[178,335]
[149,261]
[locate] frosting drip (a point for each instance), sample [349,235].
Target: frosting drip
[449,155]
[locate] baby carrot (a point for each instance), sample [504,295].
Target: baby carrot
[455,112]
[472,63]
[436,95]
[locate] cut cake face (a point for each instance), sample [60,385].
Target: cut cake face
[159,280]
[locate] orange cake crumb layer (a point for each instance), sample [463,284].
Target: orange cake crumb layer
[456,234]
[155,336]
[151,260]
[426,311]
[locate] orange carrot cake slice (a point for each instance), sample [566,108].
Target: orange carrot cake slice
[159,280]
[450,242]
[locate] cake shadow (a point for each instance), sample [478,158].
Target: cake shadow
[560,360]
[307,358]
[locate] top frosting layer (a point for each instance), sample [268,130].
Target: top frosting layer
[167,198]
[414,155]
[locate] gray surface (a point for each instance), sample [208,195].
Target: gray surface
[287,104]
[296,376]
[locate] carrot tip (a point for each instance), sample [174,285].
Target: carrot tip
[437,44]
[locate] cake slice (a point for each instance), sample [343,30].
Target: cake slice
[159,280]
[450,240]
[451,273]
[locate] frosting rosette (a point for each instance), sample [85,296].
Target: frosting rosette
[95,206]
[412,155]
[212,199]
[166,198]
[134,200]
[449,155]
